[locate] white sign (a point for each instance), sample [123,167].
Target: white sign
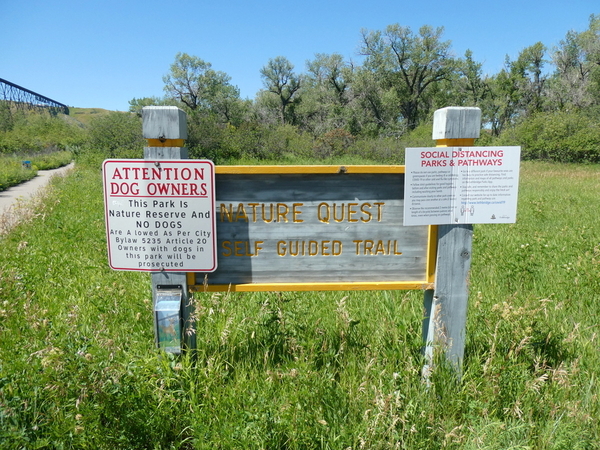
[452,185]
[160,215]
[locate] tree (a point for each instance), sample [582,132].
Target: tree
[504,101]
[473,86]
[325,93]
[410,64]
[529,68]
[6,118]
[193,82]
[466,86]
[331,73]
[517,91]
[225,102]
[279,79]
[372,107]
[266,108]
[117,134]
[576,81]
[137,104]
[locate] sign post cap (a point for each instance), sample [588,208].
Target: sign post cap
[164,122]
[456,122]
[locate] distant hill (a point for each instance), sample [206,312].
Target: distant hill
[85,115]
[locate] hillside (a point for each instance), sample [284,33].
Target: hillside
[85,115]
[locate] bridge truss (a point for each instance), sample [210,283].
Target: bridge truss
[24,98]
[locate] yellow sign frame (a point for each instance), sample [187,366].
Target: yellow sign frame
[431,251]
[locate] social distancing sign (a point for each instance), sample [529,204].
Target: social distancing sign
[461,185]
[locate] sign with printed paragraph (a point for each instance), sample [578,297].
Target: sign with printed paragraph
[315,228]
[160,215]
[461,185]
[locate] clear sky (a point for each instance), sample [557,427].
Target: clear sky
[103,53]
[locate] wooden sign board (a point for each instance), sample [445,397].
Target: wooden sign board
[307,228]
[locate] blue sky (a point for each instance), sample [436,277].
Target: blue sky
[103,53]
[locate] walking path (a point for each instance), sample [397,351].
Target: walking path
[12,197]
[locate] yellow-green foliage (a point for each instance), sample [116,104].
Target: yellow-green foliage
[564,136]
[53,160]
[27,133]
[13,172]
[86,115]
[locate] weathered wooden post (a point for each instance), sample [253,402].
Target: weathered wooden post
[165,128]
[446,305]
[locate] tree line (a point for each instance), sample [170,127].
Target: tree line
[404,77]
[547,100]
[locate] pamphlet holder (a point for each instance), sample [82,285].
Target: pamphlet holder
[168,318]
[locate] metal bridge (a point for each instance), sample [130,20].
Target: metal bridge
[22,97]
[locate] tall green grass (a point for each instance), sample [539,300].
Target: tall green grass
[78,368]
[13,171]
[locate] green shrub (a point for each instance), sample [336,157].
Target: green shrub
[284,140]
[562,136]
[51,160]
[224,144]
[116,135]
[39,132]
[12,172]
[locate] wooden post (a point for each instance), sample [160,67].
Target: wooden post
[165,128]
[446,305]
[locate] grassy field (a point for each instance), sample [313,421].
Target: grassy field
[78,368]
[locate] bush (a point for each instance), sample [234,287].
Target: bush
[334,143]
[226,143]
[12,172]
[31,132]
[51,160]
[285,140]
[561,136]
[116,135]
[390,149]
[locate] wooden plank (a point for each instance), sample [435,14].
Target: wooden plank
[303,287]
[456,122]
[158,153]
[170,123]
[164,122]
[269,169]
[446,306]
